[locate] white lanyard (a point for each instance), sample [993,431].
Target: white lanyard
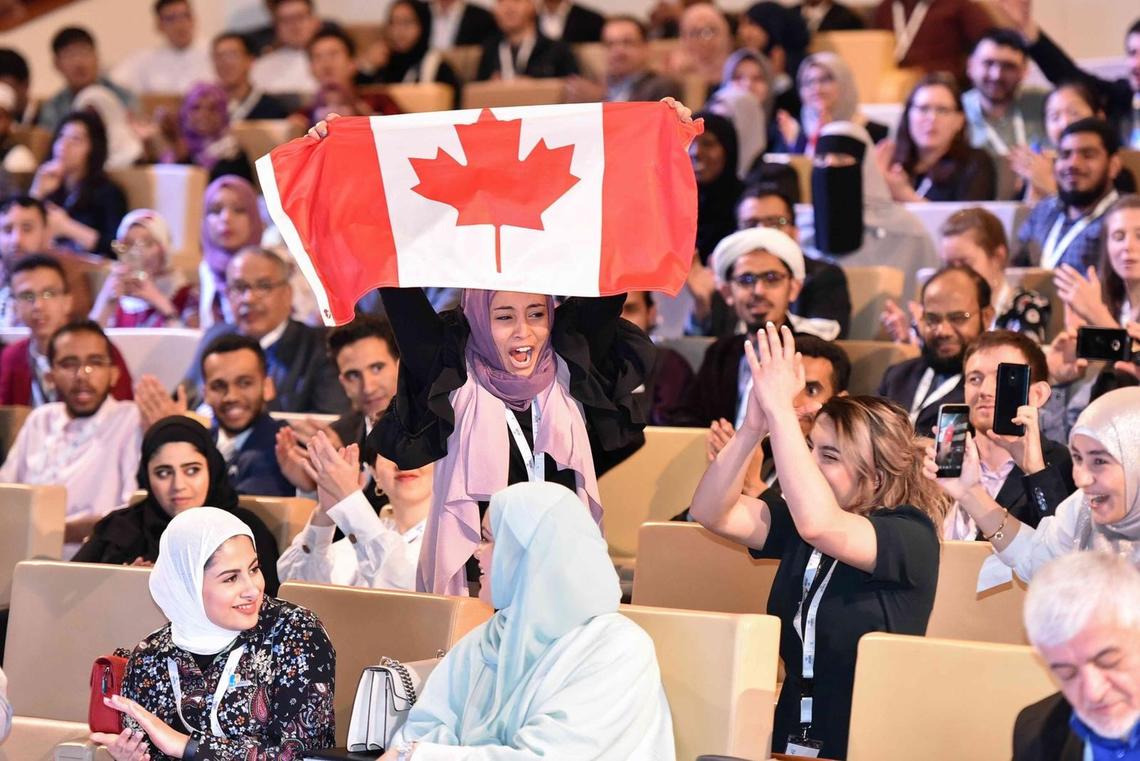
[923,397]
[906,30]
[509,67]
[1053,250]
[995,140]
[535,461]
[924,187]
[805,628]
[224,683]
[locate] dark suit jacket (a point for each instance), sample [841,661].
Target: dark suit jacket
[1042,732]
[582,25]
[1030,498]
[305,377]
[16,375]
[713,394]
[549,58]
[652,87]
[475,25]
[838,18]
[253,469]
[900,383]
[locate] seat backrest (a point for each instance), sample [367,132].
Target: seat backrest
[1130,158]
[802,167]
[870,287]
[655,483]
[33,528]
[367,624]
[283,516]
[176,192]
[719,673]
[35,139]
[151,102]
[692,348]
[64,616]
[165,353]
[591,57]
[418,97]
[683,565]
[869,53]
[464,59]
[961,612]
[258,137]
[940,699]
[870,359]
[933,215]
[12,417]
[516,92]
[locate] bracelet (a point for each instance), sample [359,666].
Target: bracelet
[1000,533]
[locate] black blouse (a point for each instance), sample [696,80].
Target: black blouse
[896,597]
[98,203]
[971,178]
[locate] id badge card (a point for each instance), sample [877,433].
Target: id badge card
[803,747]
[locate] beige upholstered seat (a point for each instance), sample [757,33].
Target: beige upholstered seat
[258,137]
[176,191]
[516,92]
[870,54]
[283,516]
[870,287]
[464,59]
[719,673]
[655,483]
[63,616]
[33,528]
[939,699]
[12,417]
[417,97]
[683,565]
[37,740]
[960,612]
[366,624]
[870,359]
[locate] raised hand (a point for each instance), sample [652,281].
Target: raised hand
[320,130]
[294,461]
[154,402]
[718,435]
[128,745]
[1025,450]
[1082,293]
[162,735]
[1061,356]
[777,371]
[337,471]
[971,471]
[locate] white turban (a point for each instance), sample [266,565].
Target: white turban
[766,239]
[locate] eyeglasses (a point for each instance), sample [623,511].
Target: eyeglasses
[770,279]
[925,110]
[956,319]
[261,288]
[75,365]
[31,297]
[775,222]
[826,79]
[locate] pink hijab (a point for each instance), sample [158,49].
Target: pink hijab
[215,256]
[516,391]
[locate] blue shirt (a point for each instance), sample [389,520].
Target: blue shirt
[1103,749]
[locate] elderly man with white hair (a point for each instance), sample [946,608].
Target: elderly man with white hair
[1082,615]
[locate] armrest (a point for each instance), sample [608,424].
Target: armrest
[80,750]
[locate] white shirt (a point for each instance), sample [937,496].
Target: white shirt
[553,23]
[958,525]
[164,69]
[445,25]
[372,554]
[230,445]
[274,335]
[96,458]
[284,71]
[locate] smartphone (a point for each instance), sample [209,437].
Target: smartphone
[1105,344]
[1012,392]
[950,451]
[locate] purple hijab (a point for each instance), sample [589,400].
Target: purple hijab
[198,142]
[213,254]
[516,391]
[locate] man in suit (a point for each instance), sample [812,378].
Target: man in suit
[454,22]
[628,77]
[1082,614]
[569,22]
[759,272]
[260,297]
[1028,475]
[520,49]
[237,388]
[956,310]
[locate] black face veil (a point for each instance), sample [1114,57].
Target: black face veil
[837,195]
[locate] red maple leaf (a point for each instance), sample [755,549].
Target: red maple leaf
[494,187]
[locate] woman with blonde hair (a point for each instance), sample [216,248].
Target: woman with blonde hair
[855,531]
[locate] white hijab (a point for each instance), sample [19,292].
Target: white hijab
[124,147]
[176,581]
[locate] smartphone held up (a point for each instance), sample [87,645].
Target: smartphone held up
[950,443]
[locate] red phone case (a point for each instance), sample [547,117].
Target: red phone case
[106,680]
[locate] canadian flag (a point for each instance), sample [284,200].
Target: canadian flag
[579,200]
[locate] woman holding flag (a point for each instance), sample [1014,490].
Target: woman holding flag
[507,389]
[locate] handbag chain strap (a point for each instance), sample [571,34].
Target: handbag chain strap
[402,672]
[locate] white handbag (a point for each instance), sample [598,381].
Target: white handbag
[384,696]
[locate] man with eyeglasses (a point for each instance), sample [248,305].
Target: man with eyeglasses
[42,301]
[23,230]
[759,272]
[87,441]
[627,76]
[261,300]
[955,311]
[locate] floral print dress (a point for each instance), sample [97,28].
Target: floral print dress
[280,702]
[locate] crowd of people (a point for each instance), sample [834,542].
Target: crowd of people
[451,440]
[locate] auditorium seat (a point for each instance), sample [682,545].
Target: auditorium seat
[683,565]
[802,165]
[516,92]
[870,359]
[719,673]
[152,102]
[464,60]
[591,57]
[961,612]
[932,215]
[939,699]
[655,483]
[165,353]
[870,287]
[367,624]
[259,136]
[35,139]
[283,516]
[12,417]
[1131,160]
[420,97]
[176,192]
[692,348]
[870,54]
[33,528]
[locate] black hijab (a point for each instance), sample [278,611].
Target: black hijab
[400,63]
[784,27]
[837,196]
[716,200]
